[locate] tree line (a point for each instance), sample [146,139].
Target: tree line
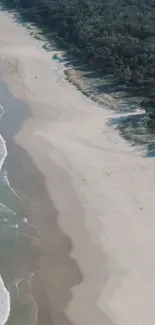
[114,36]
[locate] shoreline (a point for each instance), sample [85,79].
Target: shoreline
[18,163]
[99,189]
[60,245]
[8,131]
[72,274]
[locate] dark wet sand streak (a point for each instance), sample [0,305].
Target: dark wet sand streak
[52,286]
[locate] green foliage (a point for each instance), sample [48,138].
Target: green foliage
[115,36]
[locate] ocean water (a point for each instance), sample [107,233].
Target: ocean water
[20,253]
[4,211]
[4,303]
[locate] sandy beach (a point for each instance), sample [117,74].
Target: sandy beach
[93,195]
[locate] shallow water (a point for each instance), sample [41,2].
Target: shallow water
[20,253]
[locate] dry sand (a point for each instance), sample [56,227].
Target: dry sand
[102,189]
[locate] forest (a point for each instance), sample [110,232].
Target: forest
[113,36]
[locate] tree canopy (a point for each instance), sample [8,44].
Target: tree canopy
[114,36]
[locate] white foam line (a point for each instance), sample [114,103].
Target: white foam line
[17,282]
[6,209]
[4,294]
[4,303]
[25,220]
[5,178]
[36,316]
[36,240]
[137,112]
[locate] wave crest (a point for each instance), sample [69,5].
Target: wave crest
[4,303]
[4,294]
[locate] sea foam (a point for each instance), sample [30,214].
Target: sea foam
[4,303]
[4,294]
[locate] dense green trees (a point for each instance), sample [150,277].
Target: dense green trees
[115,36]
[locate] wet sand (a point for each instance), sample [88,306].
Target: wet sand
[52,286]
[93,195]
[57,271]
[60,271]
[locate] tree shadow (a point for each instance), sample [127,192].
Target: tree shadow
[101,82]
[94,83]
[138,130]
[71,57]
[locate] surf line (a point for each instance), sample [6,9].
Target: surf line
[4,294]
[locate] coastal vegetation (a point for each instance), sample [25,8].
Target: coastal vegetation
[116,37]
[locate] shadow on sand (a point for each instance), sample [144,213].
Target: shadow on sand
[104,90]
